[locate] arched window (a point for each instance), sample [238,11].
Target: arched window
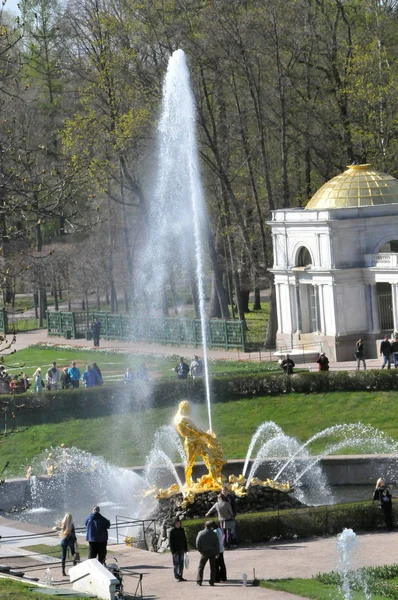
[304,258]
[391,246]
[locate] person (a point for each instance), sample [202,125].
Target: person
[287,365]
[385,352]
[323,362]
[90,377]
[99,373]
[96,331]
[394,348]
[142,373]
[221,569]
[230,496]
[74,374]
[360,354]
[53,377]
[68,539]
[65,379]
[196,367]
[182,369]
[97,534]
[209,548]
[128,376]
[383,495]
[226,517]
[25,381]
[178,548]
[37,381]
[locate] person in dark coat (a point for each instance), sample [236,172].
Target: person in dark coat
[323,362]
[287,365]
[96,331]
[182,369]
[360,354]
[99,373]
[385,352]
[209,548]
[68,539]
[394,349]
[383,495]
[178,548]
[97,534]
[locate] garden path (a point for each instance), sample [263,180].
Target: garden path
[40,336]
[276,559]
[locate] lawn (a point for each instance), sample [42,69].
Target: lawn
[16,590]
[114,363]
[125,439]
[379,582]
[310,588]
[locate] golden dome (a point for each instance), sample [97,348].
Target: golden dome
[359,185]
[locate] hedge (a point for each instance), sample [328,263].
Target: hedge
[262,527]
[85,403]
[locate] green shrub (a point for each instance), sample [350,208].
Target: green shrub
[261,527]
[104,400]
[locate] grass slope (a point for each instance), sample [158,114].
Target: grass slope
[125,439]
[309,588]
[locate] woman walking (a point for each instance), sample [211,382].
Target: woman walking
[68,535]
[360,354]
[38,380]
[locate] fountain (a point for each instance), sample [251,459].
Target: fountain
[177,214]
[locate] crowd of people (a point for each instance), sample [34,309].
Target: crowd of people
[211,542]
[67,377]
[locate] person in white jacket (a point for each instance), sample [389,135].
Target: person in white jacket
[53,377]
[221,570]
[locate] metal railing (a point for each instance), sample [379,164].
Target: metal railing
[163,330]
[123,526]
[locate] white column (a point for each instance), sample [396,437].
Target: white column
[374,308]
[317,320]
[321,309]
[394,290]
[297,307]
[279,306]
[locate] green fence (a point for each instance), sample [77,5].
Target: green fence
[219,333]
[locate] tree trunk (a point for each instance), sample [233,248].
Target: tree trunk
[214,306]
[257,299]
[270,340]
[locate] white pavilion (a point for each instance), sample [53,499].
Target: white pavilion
[336,266]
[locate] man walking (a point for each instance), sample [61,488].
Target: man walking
[385,352]
[97,535]
[74,374]
[209,548]
[96,332]
[178,547]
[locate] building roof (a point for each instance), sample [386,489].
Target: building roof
[359,185]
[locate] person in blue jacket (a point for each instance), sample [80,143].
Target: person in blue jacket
[97,534]
[74,374]
[90,377]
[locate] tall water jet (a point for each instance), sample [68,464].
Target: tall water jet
[177,215]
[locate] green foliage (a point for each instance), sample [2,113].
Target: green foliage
[257,528]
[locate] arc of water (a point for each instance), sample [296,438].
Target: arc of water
[342,429]
[261,431]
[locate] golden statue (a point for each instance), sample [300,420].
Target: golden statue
[199,443]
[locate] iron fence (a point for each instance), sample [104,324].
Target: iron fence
[219,333]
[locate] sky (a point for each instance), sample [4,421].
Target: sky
[11,5]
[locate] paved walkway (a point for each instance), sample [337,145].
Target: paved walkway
[274,560]
[40,336]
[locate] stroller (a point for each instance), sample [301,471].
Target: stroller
[116,572]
